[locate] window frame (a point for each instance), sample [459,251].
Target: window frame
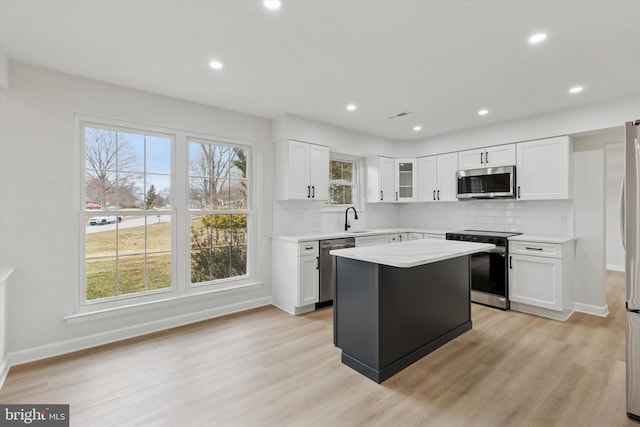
[357,180]
[225,282]
[181,286]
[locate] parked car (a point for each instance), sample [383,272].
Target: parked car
[105,219]
[91,205]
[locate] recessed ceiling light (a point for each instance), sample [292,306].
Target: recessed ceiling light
[483,112]
[351,107]
[576,89]
[417,128]
[272,4]
[537,38]
[216,65]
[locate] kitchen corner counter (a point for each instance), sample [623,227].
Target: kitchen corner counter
[542,238]
[301,237]
[412,253]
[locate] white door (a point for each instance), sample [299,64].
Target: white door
[427,179]
[543,169]
[319,171]
[500,155]
[536,281]
[447,181]
[405,180]
[298,169]
[387,179]
[309,283]
[471,159]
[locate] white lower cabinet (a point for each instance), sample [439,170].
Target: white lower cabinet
[295,278]
[372,240]
[398,237]
[541,278]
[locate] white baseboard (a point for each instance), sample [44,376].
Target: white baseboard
[4,371]
[615,267]
[602,311]
[70,346]
[542,312]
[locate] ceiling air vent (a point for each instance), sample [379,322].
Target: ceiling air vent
[401,114]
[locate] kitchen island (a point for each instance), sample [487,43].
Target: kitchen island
[398,302]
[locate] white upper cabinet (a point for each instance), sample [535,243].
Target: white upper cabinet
[380,179]
[406,179]
[437,178]
[544,169]
[488,157]
[302,171]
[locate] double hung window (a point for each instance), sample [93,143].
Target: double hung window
[342,182]
[138,201]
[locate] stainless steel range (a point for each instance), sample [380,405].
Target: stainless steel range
[489,270]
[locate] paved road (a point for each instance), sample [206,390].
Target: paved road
[136,222]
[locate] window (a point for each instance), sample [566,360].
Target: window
[342,182]
[128,221]
[132,216]
[218,211]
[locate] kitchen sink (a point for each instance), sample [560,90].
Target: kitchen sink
[358,231]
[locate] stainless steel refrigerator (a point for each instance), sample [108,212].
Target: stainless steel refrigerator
[631,238]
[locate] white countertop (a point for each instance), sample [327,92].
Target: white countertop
[412,253]
[340,234]
[542,238]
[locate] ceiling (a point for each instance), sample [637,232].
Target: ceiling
[440,60]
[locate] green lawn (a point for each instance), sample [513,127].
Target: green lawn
[102,252]
[101,272]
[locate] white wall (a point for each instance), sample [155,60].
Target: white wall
[614,173]
[589,198]
[593,117]
[301,216]
[4,70]
[39,178]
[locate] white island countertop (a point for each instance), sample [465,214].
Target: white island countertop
[412,253]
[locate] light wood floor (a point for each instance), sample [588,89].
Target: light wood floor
[267,368]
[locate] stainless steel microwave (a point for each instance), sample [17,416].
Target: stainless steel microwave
[487,183]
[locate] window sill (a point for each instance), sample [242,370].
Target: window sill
[138,307]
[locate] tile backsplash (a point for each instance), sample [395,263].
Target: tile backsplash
[548,217]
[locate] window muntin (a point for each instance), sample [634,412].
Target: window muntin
[342,182]
[219,215]
[128,224]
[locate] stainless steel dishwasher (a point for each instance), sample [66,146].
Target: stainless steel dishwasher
[328,266]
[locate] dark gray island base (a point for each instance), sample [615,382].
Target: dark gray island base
[386,318]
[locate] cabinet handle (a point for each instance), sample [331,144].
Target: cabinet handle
[511,263]
[396,196]
[438,194]
[533,249]
[308,248]
[381,195]
[434,194]
[308,191]
[313,192]
[481,158]
[518,191]
[486,157]
[317,263]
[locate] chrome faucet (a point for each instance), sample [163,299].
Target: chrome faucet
[346,221]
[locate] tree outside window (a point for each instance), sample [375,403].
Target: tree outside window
[219,213]
[342,183]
